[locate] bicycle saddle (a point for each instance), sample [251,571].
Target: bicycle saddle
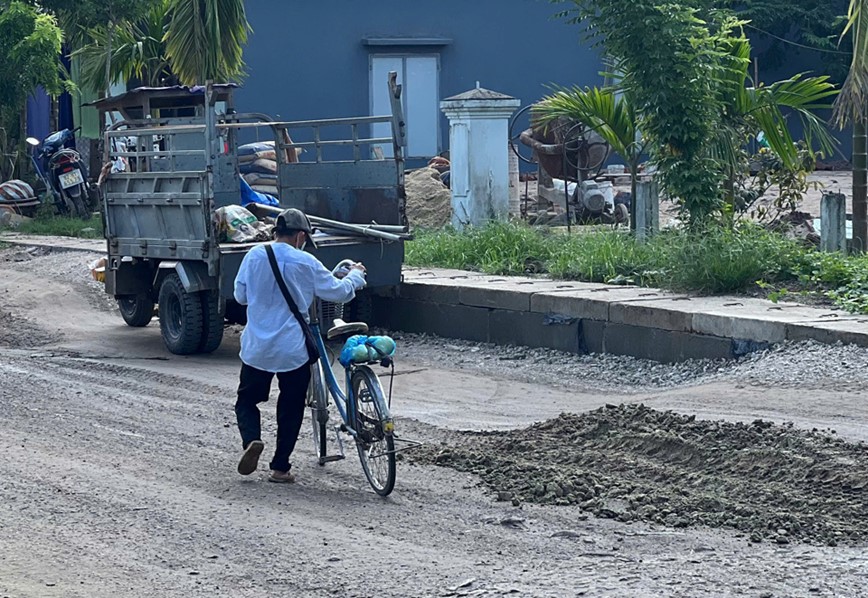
[341,328]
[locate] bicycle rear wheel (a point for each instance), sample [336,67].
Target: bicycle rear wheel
[375,444]
[317,400]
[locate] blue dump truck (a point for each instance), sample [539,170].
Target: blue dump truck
[172,161]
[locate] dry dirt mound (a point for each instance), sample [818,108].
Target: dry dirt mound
[631,462]
[429,201]
[20,333]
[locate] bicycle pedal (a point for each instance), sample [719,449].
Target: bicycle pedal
[332,458]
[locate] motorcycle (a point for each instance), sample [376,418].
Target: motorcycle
[62,171]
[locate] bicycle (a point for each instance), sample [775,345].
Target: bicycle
[363,408]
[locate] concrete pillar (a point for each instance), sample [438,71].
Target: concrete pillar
[647,209]
[479,154]
[833,222]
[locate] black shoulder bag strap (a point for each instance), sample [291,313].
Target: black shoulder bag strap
[309,341]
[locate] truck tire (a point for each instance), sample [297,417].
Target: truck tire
[136,310]
[212,322]
[181,323]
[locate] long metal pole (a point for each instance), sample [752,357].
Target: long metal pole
[360,229]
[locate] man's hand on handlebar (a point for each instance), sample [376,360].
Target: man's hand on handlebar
[346,266]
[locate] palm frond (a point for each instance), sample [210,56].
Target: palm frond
[612,116]
[851,104]
[137,51]
[205,39]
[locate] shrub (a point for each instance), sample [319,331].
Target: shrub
[721,260]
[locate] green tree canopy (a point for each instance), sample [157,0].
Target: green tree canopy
[77,17]
[814,24]
[673,58]
[191,41]
[30,42]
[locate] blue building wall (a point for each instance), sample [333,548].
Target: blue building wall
[308,60]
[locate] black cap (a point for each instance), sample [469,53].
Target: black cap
[293,219]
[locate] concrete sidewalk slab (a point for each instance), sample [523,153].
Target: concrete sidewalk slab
[592,302]
[643,322]
[509,294]
[752,319]
[851,331]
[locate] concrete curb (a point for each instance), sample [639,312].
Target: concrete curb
[583,317]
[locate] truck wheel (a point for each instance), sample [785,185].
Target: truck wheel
[212,319]
[180,317]
[136,310]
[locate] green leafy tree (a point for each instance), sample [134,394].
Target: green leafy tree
[77,17]
[814,25]
[749,109]
[82,20]
[673,56]
[685,70]
[30,44]
[746,111]
[188,41]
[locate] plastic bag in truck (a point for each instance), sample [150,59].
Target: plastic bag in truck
[237,225]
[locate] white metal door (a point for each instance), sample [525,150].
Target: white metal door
[420,77]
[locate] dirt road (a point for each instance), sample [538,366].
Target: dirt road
[117,463]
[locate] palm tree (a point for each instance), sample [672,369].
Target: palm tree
[193,41]
[205,39]
[137,51]
[750,109]
[852,108]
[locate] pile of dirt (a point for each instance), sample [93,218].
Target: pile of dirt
[20,333]
[429,201]
[630,462]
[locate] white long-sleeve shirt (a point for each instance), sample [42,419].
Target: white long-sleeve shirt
[273,340]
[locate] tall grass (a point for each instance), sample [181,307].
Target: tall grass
[63,227]
[717,260]
[722,260]
[600,257]
[495,249]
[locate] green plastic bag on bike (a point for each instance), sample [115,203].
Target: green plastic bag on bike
[367,349]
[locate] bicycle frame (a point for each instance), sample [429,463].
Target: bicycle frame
[345,403]
[364,413]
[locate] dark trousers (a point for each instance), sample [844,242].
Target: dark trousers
[254,389]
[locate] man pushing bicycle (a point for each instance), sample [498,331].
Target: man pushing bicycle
[278,283]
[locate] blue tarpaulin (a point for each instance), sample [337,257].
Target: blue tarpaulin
[249,196]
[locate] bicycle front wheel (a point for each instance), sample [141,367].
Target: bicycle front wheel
[317,400]
[374,438]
